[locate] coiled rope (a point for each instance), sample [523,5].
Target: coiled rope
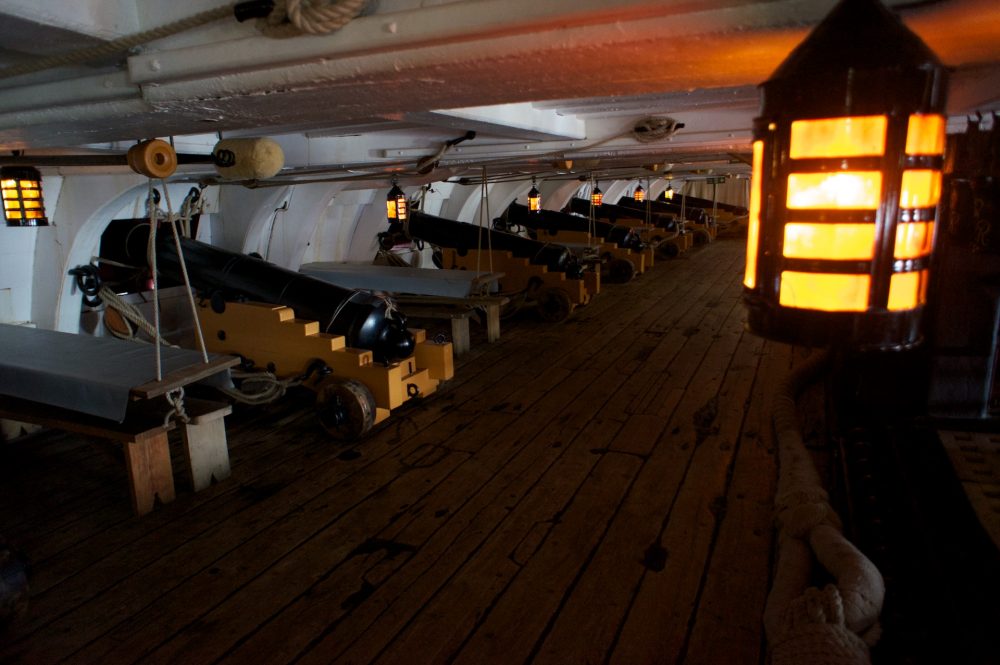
[291,18]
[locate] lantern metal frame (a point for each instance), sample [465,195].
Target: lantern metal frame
[396,204]
[596,196]
[534,198]
[860,64]
[23,200]
[639,194]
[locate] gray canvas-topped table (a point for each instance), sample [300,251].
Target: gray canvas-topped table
[425,292]
[106,387]
[416,281]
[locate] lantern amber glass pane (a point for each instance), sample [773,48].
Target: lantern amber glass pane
[907,290]
[842,190]
[829,241]
[390,209]
[824,291]
[921,188]
[33,214]
[753,224]
[914,240]
[855,136]
[925,135]
[8,183]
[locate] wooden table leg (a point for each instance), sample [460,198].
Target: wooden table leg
[149,472]
[460,335]
[492,322]
[206,448]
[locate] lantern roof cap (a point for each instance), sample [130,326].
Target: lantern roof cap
[859,35]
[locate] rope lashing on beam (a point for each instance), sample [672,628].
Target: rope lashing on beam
[278,19]
[291,18]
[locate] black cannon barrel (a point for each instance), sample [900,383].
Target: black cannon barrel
[615,213]
[464,237]
[360,317]
[692,213]
[699,202]
[553,221]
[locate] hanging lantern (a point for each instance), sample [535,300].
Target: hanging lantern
[597,197]
[395,204]
[534,198]
[847,159]
[23,204]
[669,193]
[639,194]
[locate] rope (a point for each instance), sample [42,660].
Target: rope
[151,258]
[291,18]
[269,387]
[176,400]
[119,45]
[837,624]
[184,273]
[130,313]
[651,129]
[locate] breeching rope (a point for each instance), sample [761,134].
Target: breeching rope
[834,625]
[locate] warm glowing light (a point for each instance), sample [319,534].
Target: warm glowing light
[921,188]
[21,190]
[829,241]
[597,197]
[669,194]
[824,291]
[534,198]
[838,137]
[753,223]
[843,190]
[914,240]
[907,290]
[639,194]
[395,205]
[925,135]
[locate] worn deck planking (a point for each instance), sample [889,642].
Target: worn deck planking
[592,492]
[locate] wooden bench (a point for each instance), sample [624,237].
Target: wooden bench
[143,437]
[458,310]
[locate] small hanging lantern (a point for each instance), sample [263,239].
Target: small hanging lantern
[23,204]
[395,204]
[847,159]
[639,194]
[534,198]
[669,193]
[597,196]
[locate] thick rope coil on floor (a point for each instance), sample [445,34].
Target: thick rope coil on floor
[259,387]
[291,18]
[806,625]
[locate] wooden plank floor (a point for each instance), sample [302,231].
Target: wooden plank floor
[592,492]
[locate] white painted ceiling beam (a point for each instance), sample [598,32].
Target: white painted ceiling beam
[521,121]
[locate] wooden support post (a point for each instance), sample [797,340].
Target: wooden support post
[460,338]
[492,321]
[206,448]
[147,457]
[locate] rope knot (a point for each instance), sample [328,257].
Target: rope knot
[176,400]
